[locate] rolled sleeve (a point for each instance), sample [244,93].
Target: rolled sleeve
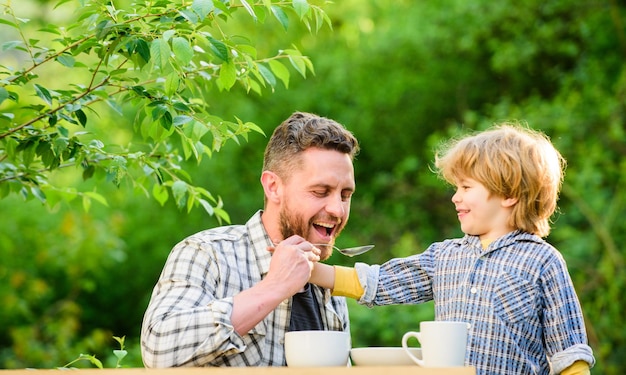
[562,360]
[368,277]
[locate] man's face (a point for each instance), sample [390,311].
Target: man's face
[316,198]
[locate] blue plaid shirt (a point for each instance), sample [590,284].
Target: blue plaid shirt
[517,296]
[187,322]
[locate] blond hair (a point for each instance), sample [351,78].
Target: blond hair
[511,161]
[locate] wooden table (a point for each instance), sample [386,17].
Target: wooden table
[355,370]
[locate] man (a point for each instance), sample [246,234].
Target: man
[227,295]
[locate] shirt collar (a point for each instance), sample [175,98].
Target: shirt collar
[259,241]
[504,241]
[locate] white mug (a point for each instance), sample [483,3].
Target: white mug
[317,348]
[443,343]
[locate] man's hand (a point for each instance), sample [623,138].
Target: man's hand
[291,264]
[290,269]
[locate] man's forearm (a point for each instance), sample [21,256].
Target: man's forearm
[254,304]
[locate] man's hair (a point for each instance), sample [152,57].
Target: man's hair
[302,131]
[511,161]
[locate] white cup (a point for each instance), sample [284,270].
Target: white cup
[317,348]
[443,343]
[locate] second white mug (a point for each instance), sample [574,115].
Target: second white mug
[443,343]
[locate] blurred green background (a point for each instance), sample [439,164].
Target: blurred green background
[402,75]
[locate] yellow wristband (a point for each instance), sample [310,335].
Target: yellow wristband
[577,368]
[347,283]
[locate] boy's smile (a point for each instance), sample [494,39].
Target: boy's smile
[480,212]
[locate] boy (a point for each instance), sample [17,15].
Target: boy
[501,277]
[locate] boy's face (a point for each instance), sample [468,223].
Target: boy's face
[481,213]
[316,198]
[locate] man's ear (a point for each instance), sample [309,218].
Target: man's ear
[272,186]
[509,202]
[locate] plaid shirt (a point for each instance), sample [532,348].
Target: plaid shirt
[517,295]
[187,322]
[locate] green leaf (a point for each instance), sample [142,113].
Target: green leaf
[28,155]
[52,29]
[188,148]
[252,126]
[228,75]
[182,50]
[103,28]
[202,8]
[160,112]
[97,197]
[207,206]
[13,44]
[43,93]
[249,9]
[181,107]
[82,118]
[38,193]
[66,60]
[3,21]
[179,189]
[88,172]
[95,361]
[159,192]
[280,71]
[189,15]
[120,354]
[191,201]
[143,49]
[120,340]
[181,120]
[4,94]
[54,196]
[281,16]
[166,120]
[160,51]
[168,34]
[301,7]
[196,130]
[298,61]
[172,83]
[219,48]
[86,203]
[267,74]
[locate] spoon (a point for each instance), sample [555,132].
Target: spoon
[349,251]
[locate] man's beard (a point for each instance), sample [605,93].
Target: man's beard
[293,224]
[290,225]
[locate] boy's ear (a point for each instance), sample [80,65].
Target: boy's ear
[509,202]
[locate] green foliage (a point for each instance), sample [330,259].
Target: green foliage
[152,63]
[402,76]
[120,354]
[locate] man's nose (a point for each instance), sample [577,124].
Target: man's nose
[336,206]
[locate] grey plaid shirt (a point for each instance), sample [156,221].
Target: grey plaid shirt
[517,295]
[187,322]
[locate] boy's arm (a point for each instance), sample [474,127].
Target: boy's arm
[343,281]
[323,275]
[577,368]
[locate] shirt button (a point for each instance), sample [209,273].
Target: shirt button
[473,290]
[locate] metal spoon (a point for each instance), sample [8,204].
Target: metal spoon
[349,251]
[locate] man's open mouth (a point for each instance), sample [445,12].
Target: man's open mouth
[324,229]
